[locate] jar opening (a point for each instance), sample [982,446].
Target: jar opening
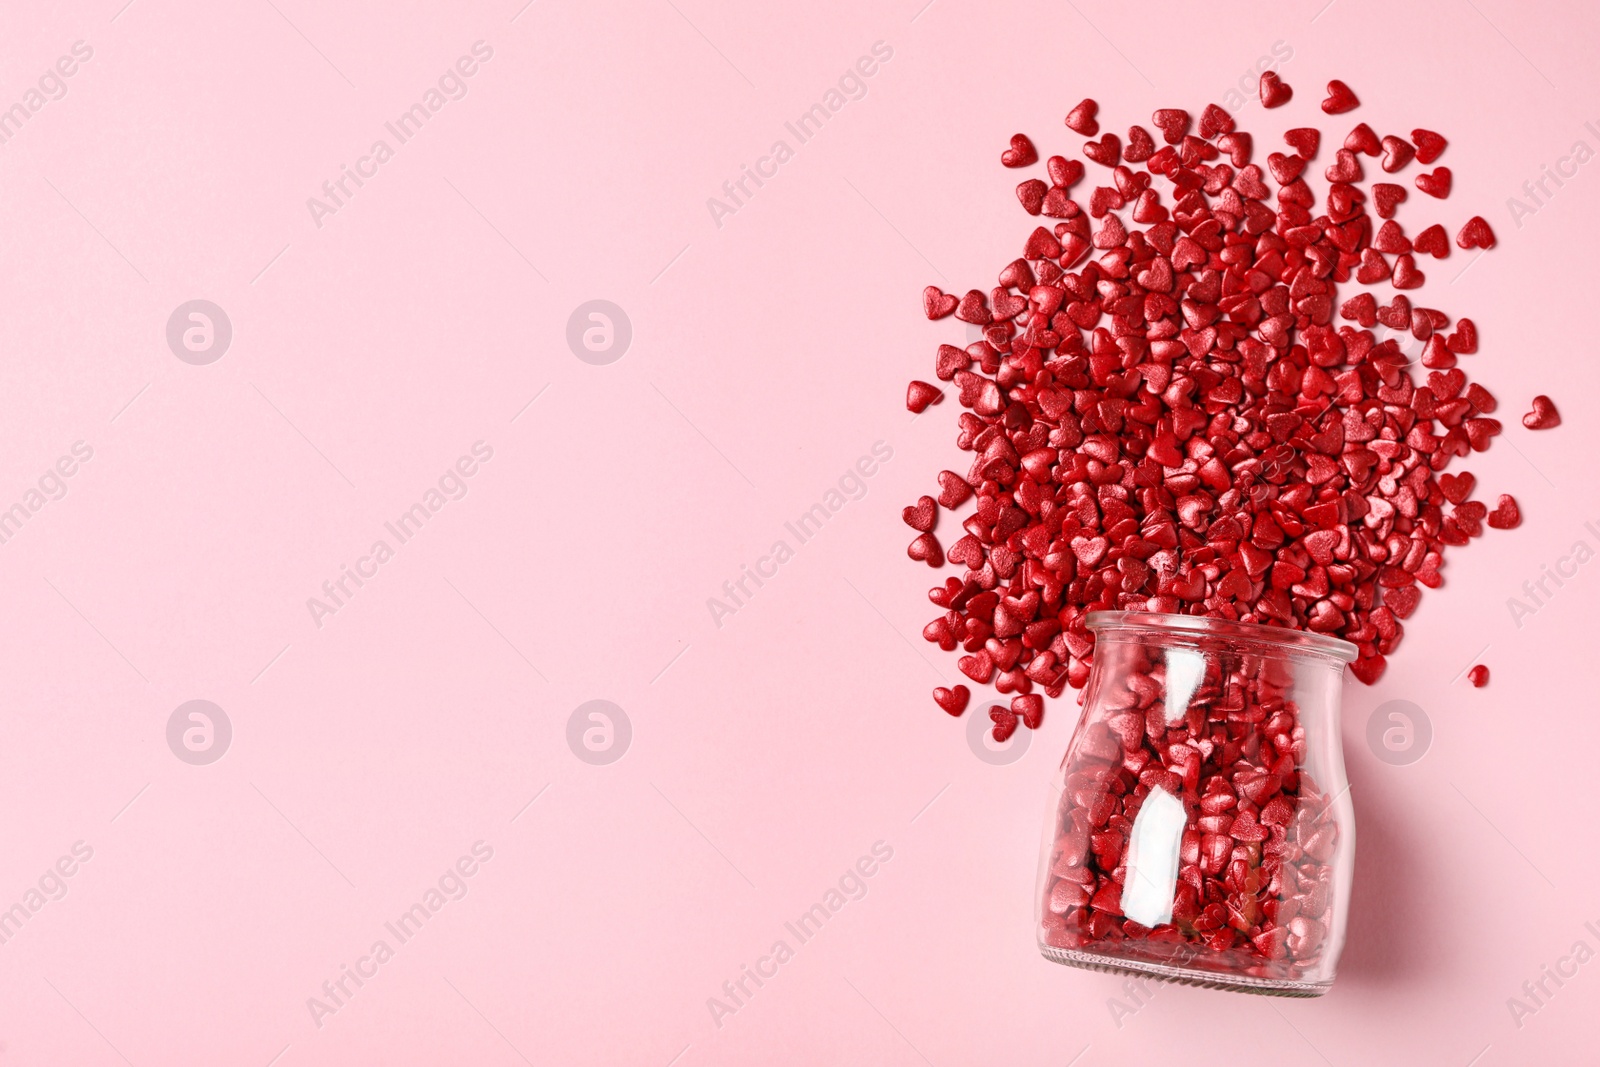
[1276,638]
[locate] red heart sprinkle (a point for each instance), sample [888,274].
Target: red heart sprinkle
[1237,146]
[1391,239]
[1275,92]
[1402,600]
[1478,676]
[1140,145]
[1031,193]
[1406,275]
[1005,722]
[1285,169]
[1544,415]
[953,490]
[1021,153]
[936,303]
[925,547]
[1476,233]
[953,700]
[972,309]
[1304,140]
[1081,119]
[1107,151]
[1173,122]
[1362,139]
[1506,515]
[1340,99]
[1029,708]
[1464,342]
[1436,184]
[922,515]
[1457,487]
[1213,121]
[1063,171]
[1397,152]
[1429,145]
[1385,196]
[1433,241]
[920,394]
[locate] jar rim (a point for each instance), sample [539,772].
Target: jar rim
[1278,637]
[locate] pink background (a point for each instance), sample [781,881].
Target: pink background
[768,354]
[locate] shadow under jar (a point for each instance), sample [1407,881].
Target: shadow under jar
[1200,830]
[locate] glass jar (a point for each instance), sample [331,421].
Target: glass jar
[1200,829]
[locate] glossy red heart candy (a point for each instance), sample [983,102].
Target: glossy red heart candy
[1339,99]
[920,394]
[1275,92]
[1436,183]
[922,515]
[1081,119]
[1021,153]
[1475,234]
[1429,145]
[936,303]
[1544,415]
[954,699]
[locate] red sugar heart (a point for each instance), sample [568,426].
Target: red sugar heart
[953,490]
[1081,119]
[1237,147]
[1021,153]
[1063,171]
[1436,184]
[1406,275]
[1397,152]
[1340,99]
[972,309]
[1475,234]
[1005,722]
[1478,676]
[1433,241]
[1173,122]
[1544,415]
[1031,193]
[1506,515]
[1285,169]
[1385,196]
[1304,140]
[1140,145]
[1391,239]
[1362,139]
[1106,151]
[925,547]
[1429,145]
[1457,487]
[920,394]
[1402,600]
[1029,708]
[936,303]
[1346,168]
[1214,121]
[1275,92]
[922,515]
[952,700]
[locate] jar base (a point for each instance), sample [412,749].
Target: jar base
[1267,987]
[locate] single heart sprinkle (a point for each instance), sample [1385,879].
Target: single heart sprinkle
[1340,99]
[954,699]
[920,394]
[1506,515]
[1478,676]
[1021,153]
[1275,92]
[1544,415]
